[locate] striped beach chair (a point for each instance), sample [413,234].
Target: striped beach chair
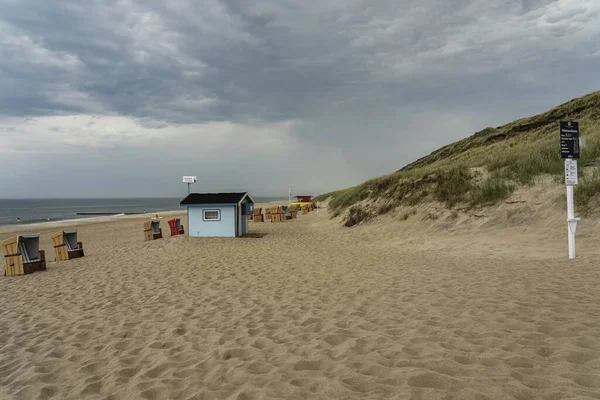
[66,246]
[152,230]
[22,255]
[176,227]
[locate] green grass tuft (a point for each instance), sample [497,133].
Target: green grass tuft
[491,191]
[356,215]
[453,185]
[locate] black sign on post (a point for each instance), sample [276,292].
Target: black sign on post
[569,139]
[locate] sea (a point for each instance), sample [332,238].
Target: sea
[34,211]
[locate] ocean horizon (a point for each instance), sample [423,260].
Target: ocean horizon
[33,211]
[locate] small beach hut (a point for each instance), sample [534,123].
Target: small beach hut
[22,255]
[302,201]
[152,230]
[66,246]
[218,214]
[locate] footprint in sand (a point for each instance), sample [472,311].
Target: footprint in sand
[306,365]
[92,388]
[157,371]
[435,380]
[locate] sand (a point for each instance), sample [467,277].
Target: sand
[392,309]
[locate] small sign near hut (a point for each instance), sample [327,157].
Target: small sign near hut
[189,180]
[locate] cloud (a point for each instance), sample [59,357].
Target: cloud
[117,156]
[348,89]
[59,134]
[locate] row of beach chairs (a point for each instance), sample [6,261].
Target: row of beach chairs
[279,214]
[22,254]
[153,231]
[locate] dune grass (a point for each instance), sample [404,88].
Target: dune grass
[512,155]
[453,185]
[491,191]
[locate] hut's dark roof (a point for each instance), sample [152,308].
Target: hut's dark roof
[212,198]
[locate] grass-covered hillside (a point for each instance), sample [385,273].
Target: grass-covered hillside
[485,168]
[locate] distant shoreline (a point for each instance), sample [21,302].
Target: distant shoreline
[84,221]
[33,212]
[87,217]
[101,217]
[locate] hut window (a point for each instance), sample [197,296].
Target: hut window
[211,215]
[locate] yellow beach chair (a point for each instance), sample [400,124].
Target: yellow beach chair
[66,246]
[152,230]
[22,255]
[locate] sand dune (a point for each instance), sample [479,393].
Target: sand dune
[310,311]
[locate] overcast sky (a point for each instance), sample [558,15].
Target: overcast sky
[120,98]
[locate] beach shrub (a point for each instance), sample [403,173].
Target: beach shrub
[491,191]
[356,215]
[453,185]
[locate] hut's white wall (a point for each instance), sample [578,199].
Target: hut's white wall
[200,228]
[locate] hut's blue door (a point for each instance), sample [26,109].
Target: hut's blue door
[244,224]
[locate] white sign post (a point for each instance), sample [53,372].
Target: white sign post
[571,180]
[569,150]
[189,180]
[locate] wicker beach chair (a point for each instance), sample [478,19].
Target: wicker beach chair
[22,255]
[66,246]
[176,227]
[178,224]
[152,230]
[288,212]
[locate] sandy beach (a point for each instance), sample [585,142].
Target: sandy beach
[390,310]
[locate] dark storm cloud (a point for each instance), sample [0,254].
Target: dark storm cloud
[383,82]
[270,61]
